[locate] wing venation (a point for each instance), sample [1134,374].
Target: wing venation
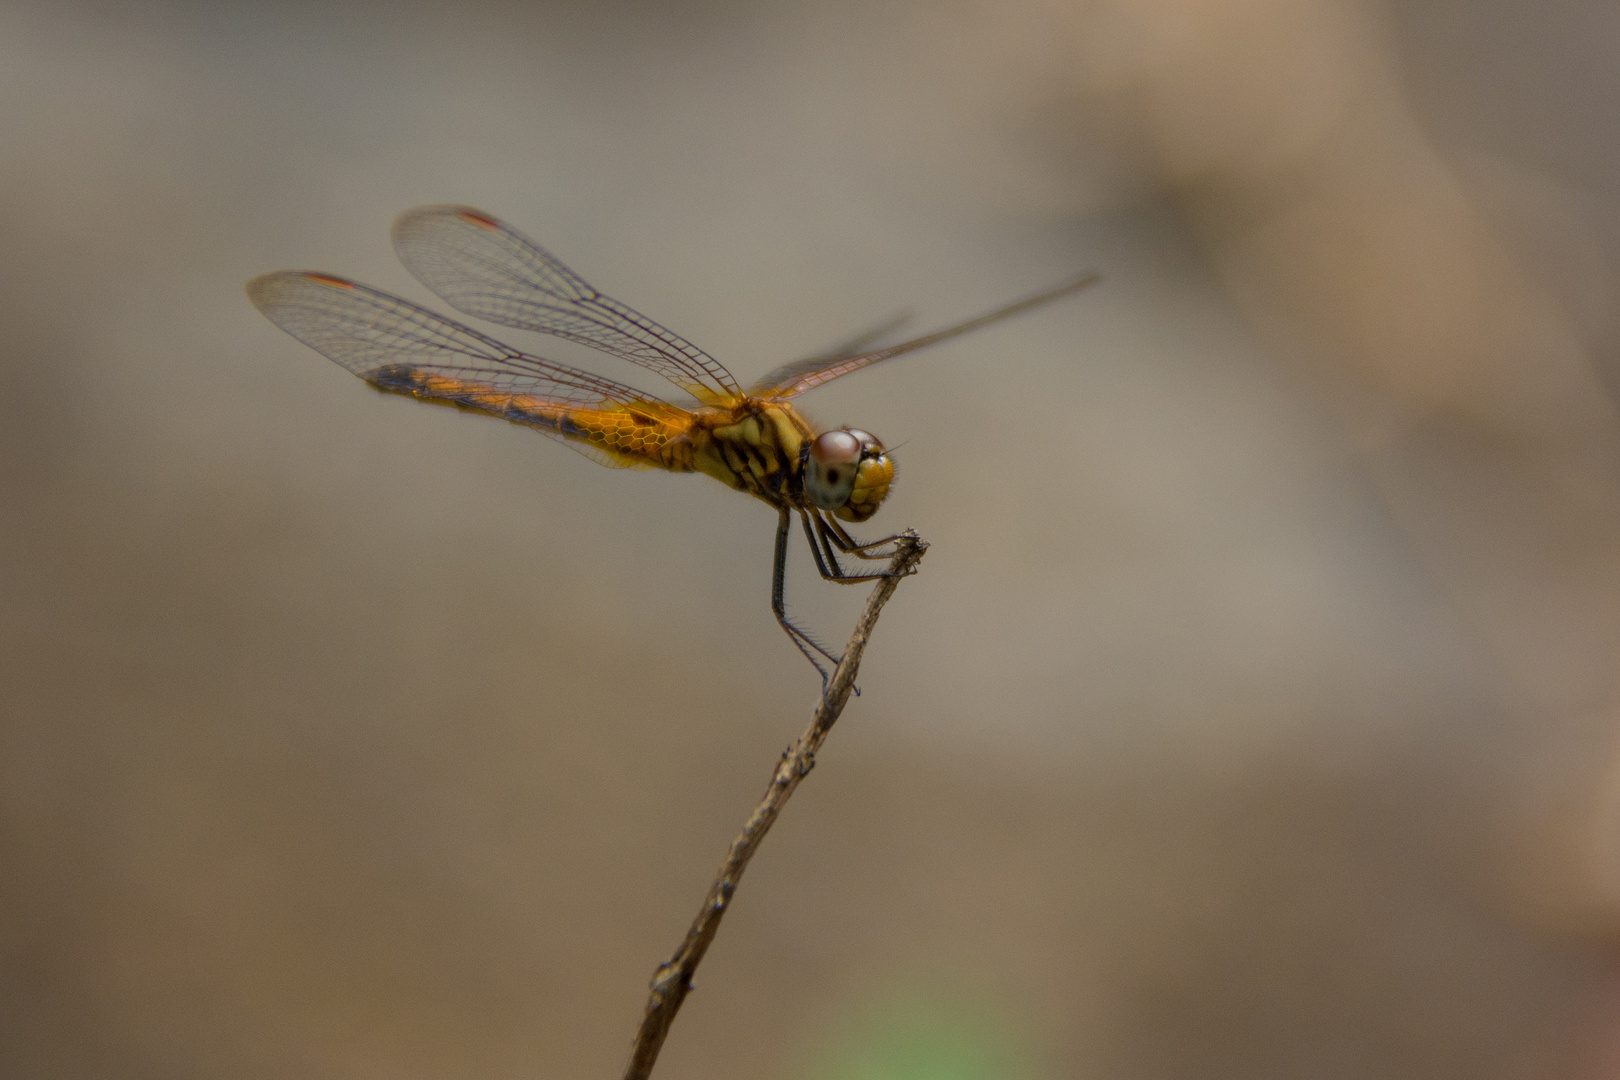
[488,269]
[400,347]
[801,375]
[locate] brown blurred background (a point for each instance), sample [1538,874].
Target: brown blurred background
[1253,715]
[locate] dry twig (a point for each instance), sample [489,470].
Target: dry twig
[672,981]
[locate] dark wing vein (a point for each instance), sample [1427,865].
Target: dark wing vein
[486,268]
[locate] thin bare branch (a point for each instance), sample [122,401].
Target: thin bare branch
[672,981]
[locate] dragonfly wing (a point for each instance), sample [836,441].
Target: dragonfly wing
[801,375]
[486,268]
[397,346]
[855,346]
[598,454]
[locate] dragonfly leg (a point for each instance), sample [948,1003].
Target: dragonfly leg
[822,545]
[850,546]
[805,643]
[826,559]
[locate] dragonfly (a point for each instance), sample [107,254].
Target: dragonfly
[753,439]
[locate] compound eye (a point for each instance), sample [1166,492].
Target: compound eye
[837,447]
[867,440]
[829,476]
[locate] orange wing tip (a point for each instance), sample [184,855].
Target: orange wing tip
[328,279]
[473,217]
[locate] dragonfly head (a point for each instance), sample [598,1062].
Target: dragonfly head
[847,472]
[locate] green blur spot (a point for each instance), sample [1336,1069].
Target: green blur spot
[914,1038]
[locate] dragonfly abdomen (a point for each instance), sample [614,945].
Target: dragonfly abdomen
[625,431]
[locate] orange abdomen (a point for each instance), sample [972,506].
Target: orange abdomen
[637,433]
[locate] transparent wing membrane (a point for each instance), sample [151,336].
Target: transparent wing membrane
[363,329]
[863,342]
[396,345]
[801,375]
[486,268]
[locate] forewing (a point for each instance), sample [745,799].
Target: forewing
[386,341]
[486,268]
[801,375]
[855,346]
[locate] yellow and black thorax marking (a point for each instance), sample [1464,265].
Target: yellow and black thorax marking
[754,446]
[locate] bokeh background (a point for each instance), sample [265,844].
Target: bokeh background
[1253,714]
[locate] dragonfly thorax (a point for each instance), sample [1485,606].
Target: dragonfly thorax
[766,449]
